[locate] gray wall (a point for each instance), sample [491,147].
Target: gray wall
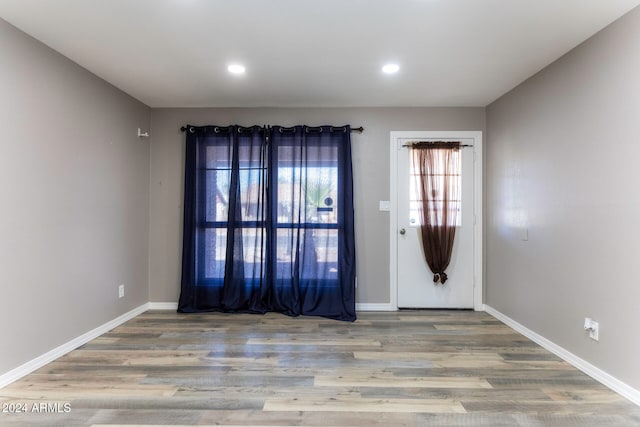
[371,179]
[74,189]
[562,161]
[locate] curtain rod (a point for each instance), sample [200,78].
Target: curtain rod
[358,129]
[411,143]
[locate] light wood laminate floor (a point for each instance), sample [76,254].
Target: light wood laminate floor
[418,368]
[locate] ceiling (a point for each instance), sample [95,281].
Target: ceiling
[313,53]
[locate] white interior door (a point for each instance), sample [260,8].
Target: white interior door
[415,286]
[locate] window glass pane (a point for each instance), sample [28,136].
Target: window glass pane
[291,197]
[253,245]
[217,194]
[326,244]
[252,194]
[218,156]
[318,251]
[253,251]
[321,191]
[286,244]
[215,246]
[308,195]
[314,155]
[217,180]
[251,155]
[215,243]
[307,184]
[437,191]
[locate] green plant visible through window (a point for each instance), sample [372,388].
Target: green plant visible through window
[317,191]
[320,191]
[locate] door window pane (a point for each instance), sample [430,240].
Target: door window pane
[439,180]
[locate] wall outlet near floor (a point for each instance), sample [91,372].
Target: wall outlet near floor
[592,327]
[121,291]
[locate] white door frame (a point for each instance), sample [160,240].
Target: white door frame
[478,304]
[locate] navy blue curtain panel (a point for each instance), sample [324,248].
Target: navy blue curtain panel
[268,221]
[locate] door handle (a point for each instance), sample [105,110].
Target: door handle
[403,231]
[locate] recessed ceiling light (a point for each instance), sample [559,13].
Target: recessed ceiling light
[390,68]
[236,69]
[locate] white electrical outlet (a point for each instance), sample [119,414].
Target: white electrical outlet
[121,291]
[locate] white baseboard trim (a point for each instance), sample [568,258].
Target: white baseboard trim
[594,372]
[37,363]
[163,306]
[364,306]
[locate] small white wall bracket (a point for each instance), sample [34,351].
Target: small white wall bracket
[593,328]
[142,135]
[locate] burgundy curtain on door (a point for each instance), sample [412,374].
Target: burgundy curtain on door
[436,169]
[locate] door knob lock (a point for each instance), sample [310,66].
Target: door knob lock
[403,231]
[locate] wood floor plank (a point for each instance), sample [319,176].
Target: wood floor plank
[365,405]
[400,382]
[439,356]
[583,395]
[315,342]
[243,392]
[437,359]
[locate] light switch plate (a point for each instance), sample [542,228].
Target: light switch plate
[385,205]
